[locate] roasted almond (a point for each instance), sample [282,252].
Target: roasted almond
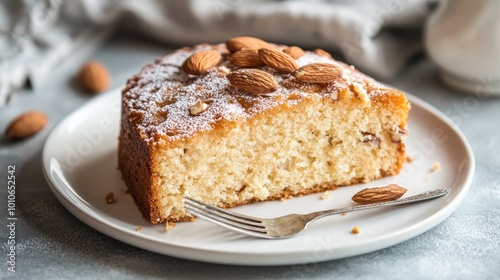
[318,73]
[246,58]
[26,125]
[200,62]
[379,194]
[237,43]
[277,60]
[93,77]
[294,51]
[324,53]
[253,81]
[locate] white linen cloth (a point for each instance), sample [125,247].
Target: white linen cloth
[36,36]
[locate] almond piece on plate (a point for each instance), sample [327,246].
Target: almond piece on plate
[200,62]
[379,194]
[26,124]
[253,81]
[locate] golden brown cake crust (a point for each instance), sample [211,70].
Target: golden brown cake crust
[155,114]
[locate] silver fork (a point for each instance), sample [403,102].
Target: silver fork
[289,225]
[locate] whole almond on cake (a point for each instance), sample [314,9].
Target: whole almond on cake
[200,62]
[294,51]
[277,60]
[237,43]
[253,81]
[318,73]
[246,58]
[322,53]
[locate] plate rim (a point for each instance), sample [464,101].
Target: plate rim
[244,258]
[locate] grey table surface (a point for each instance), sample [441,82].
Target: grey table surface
[52,243]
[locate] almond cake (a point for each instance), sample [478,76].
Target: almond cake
[249,121]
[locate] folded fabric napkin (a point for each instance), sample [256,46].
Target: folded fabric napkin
[35,36]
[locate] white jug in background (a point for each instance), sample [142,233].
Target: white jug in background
[463,38]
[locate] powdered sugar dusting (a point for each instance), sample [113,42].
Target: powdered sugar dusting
[158,98]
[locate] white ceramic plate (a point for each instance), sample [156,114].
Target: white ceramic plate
[80,164]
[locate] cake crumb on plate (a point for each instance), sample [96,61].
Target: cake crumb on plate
[409,158]
[325,195]
[355,230]
[169,226]
[110,198]
[436,167]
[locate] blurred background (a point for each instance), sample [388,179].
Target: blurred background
[378,36]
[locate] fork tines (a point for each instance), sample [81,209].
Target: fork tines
[229,219]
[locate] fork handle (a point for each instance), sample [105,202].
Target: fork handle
[419,197]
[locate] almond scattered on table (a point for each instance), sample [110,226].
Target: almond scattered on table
[94,77]
[26,124]
[379,194]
